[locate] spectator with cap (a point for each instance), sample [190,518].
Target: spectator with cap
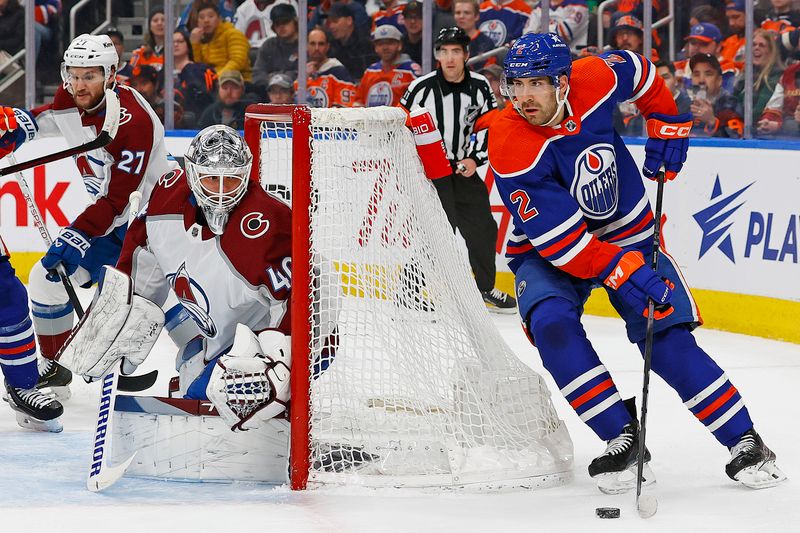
[705,38]
[195,81]
[568,18]
[218,43]
[280,89]
[352,48]
[467,14]
[124,68]
[229,108]
[253,19]
[278,53]
[412,39]
[732,47]
[319,16]
[152,50]
[329,83]
[385,81]
[713,107]
[627,33]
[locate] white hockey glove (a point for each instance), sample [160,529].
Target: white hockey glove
[118,325]
[250,384]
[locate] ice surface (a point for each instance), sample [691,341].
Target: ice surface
[42,475]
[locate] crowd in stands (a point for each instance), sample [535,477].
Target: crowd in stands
[229,53]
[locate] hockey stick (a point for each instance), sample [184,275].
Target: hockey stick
[101,474]
[647,505]
[106,135]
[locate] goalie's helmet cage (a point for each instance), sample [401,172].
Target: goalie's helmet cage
[399,376]
[90,51]
[218,151]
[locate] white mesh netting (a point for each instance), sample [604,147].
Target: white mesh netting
[412,384]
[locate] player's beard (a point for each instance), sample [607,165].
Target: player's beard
[538,113]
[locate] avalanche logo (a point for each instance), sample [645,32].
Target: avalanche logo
[193,298]
[317,97]
[713,220]
[496,30]
[595,186]
[170,178]
[379,94]
[254,225]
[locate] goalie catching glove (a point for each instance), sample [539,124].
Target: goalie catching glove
[118,325]
[250,384]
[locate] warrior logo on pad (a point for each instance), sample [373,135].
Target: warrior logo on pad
[193,298]
[595,186]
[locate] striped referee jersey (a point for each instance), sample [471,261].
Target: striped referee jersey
[455,107]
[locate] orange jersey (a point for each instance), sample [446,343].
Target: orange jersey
[382,87]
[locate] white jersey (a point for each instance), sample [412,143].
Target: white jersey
[242,276]
[134,160]
[255,24]
[570,20]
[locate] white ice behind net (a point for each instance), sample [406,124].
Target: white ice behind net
[412,384]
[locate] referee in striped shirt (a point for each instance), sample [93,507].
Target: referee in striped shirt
[456,98]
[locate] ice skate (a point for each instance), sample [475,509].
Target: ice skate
[34,409]
[753,464]
[614,470]
[499,302]
[54,380]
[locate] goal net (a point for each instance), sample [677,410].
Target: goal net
[399,376]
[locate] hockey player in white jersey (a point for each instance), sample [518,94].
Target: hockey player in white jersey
[134,160]
[222,246]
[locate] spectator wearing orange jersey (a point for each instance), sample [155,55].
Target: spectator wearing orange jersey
[781,18]
[329,83]
[152,50]
[732,46]
[385,81]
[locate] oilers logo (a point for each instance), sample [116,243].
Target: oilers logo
[193,298]
[496,30]
[379,94]
[317,97]
[595,185]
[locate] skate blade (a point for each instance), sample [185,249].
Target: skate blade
[762,476]
[501,311]
[28,422]
[60,393]
[622,482]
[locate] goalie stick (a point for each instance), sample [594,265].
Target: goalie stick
[107,134]
[102,475]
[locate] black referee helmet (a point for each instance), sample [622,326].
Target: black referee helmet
[452,35]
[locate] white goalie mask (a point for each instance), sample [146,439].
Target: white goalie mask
[218,152]
[90,51]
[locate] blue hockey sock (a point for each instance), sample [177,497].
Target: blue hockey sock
[568,355]
[701,384]
[17,345]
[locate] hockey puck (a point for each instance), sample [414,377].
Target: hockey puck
[607,512]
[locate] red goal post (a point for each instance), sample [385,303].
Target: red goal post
[399,376]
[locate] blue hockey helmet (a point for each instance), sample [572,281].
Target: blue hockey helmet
[538,54]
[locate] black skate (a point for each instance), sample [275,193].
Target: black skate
[54,380]
[35,410]
[753,464]
[614,470]
[499,302]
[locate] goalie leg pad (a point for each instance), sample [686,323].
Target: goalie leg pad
[250,384]
[118,325]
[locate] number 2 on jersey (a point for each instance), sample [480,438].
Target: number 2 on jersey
[524,208]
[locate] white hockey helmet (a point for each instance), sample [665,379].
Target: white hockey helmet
[90,51]
[218,151]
